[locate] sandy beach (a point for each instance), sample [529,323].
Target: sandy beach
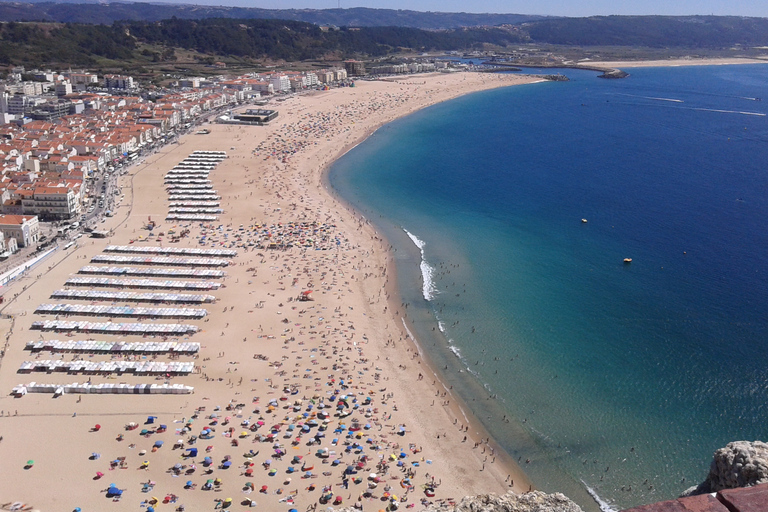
[672,62]
[296,404]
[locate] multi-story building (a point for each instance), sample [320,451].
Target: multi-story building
[118,82]
[7,247]
[325,77]
[340,74]
[63,88]
[280,83]
[24,229]
[81,81]
[354,67]
[17,104]
[190,83]
[51,203]
[51,110]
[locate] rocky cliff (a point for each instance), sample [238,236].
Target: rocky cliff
[535,501]
[739,464]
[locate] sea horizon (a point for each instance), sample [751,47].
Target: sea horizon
[554,343]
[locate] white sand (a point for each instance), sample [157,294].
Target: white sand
[350,332]
[673,62]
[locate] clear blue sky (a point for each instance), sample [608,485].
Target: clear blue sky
[550,7]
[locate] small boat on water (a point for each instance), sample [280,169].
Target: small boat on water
[583,221]
[627,260]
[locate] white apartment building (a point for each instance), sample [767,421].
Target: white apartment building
[280,83]
[53,203]
[325,77]
[118,82]
[63,88]
[24,229]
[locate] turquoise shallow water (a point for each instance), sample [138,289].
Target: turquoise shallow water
[621,378]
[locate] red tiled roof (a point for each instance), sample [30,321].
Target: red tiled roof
[744,499]
[15,219]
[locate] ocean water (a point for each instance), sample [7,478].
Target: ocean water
[617,379]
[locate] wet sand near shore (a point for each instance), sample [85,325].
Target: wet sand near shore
[673,62]
[294,401]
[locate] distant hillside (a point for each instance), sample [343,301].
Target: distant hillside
[651,31]
[59,44]
[706,32]
[73,43]
[107,13]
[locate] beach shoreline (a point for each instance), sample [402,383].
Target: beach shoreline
[255,188]
[671,62]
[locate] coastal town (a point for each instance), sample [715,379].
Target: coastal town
[195,314]
[201,322]
[66,135]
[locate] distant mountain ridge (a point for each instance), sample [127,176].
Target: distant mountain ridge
[81,34]
[107,13]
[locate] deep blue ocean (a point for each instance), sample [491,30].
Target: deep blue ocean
[621,378]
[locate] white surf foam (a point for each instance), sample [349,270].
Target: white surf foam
[604,505]
[760,114]
[427,272]
[410,335]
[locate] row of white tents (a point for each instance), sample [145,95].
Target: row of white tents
[120,311]
[114,347]
[135,367]
[193,157]
[190,186]
[191,216]
[206,152]
[171,251]
[191,204]
[134,328]
[160,260]
[192,190]
[195,166]
[183,175]
[142,283]
[194,210]
[195,197]
[178,182]
[105,388]
[187,181]
[155,298]
[206,159]
[195,170]
[180,173]
[157,272]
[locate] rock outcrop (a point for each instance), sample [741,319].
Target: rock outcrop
[739,464]
[534,501]
[613,73]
